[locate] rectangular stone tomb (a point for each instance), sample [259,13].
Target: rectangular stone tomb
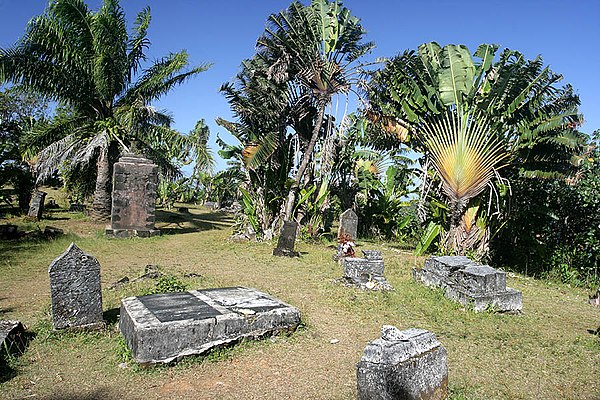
[470,283]
[409,364]
[165,327]
[366,273]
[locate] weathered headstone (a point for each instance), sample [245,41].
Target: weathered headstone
[36,206]
[135,180]
[409,364]
[470,283]
[11,338]
[165,327]
[348,224]
[287,240]
[75,290]
[366,273]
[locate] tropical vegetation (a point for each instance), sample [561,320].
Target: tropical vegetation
[87,62]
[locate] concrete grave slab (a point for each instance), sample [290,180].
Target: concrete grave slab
[409,364]
[479,286]
[165,327]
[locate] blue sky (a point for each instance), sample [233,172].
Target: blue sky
[565,34]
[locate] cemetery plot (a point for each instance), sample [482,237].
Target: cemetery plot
[470,283]
[165,327]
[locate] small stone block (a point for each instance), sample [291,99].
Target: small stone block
[480,279]
[409,364]
[362,270]
[165,327]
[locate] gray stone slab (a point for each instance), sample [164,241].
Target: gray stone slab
[165,327]
[409,364]
[372,254]
[478,286]
[509,300]
[479,279]
[75,290]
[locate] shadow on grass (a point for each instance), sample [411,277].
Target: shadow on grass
[181,222]
[94,394]
[111,316]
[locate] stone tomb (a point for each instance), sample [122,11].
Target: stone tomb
[348,224]
[75,290]
[135,180]
[409,364]
[470,283]
[36,206]
[165,327]
[366,273]
[287,240]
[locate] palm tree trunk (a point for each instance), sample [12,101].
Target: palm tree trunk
[289,205]
[101,207]
[454,241]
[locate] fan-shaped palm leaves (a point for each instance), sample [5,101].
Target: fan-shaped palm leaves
[470,117]
[87,61]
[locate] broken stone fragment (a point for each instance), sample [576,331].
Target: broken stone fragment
[409,364]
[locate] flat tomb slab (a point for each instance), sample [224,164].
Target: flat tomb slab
[164,327]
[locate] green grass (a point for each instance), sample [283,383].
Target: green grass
[546,352]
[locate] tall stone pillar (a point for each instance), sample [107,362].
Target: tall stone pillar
[135,180]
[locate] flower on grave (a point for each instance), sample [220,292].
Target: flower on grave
[346,245]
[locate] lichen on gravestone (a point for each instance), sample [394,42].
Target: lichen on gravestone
[75,290]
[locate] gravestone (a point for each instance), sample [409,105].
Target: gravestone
[12,338]
[409,364]
[366,273]
[8,231]
[469,283]
[348,224]
[287,240]
[75,290]
[166,327]
[36,206]
[135,180]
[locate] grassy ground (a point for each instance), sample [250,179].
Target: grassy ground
[546,352]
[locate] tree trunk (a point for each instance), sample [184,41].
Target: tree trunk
[454,240]
[101,207]
[289,205]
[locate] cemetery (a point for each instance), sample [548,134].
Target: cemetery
[435,237]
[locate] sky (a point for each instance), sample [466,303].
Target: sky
[223,33]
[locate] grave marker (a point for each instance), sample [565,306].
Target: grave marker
[165,327]
[409,364]
[135,180]
[348,224]
[36,206]
[287,240]
[75,290]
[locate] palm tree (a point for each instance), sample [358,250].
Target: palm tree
[471,118]
[88,62]
[313,49]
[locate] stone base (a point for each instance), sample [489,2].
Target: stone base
[409,364]
[165,327]
[510,300]
[285,253]
[365,273]
[478,286]
[126,233]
